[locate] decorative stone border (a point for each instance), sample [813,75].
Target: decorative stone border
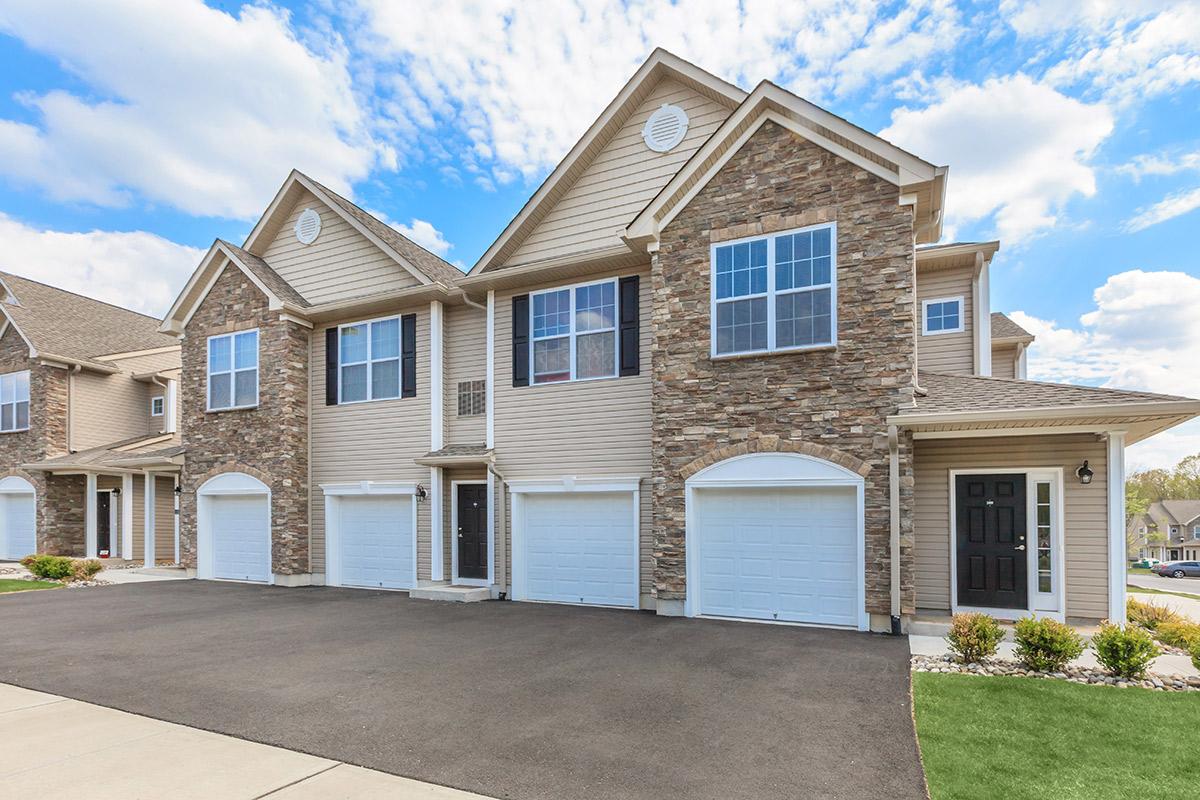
[1091,675]
[19,573]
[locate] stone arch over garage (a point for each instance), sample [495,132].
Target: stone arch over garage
[775,444]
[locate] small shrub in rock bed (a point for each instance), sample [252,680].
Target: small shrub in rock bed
[1196,655]
[57,568]
[1126,652]
[1047,645]
[1149,615]
[1182,634]
[974,637]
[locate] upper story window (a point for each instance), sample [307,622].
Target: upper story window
[156,406]
[369,358]
[775,293]
[574,332]
[943,315]
[233,370]
[14,401]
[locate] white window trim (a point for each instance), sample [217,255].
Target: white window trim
[573,335]
[162,401]
[371,363]
[925,304]
[1038,604]
[27,401]
[231,372]
[771,294]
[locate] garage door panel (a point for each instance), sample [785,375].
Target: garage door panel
[240,538]
[18,518]
[579,548]
[788,554]
[376,542]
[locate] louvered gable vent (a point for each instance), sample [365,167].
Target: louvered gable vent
[665,128]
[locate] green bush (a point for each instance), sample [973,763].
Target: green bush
[1149,615]
[57,568]
[1196,655]
[1047,645]
[1126,652]
[974,637]
[1182,634]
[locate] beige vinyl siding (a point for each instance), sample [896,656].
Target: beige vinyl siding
[341,263]
[370,441]
[106,408]
[588,429]
[1004,361]
[946,352]
[1085,511]
[449,538]
[139,518]
[164,519]
[465,350]
[621,180]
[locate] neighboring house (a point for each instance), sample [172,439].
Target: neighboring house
[715,366]
[1169,530]
[88,403]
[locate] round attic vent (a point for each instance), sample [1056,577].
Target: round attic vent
[665,128]
[308,227]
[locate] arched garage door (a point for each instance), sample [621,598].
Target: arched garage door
[776,537]
[234,529]
[18,537]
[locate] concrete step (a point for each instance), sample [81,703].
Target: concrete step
[454,594]
[169,572]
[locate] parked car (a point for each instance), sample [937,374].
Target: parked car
[1145,563]
[1177,569]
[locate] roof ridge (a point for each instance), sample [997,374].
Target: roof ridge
[79,295]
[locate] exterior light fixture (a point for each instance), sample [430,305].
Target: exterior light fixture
[116,490]
[178,489]
[421,493]
[1084,474]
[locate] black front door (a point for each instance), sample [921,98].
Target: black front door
[103,523]
[472,531]
[990,538]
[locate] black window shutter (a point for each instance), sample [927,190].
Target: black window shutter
[630,328]
[408,355]
[331,366]
[520,340]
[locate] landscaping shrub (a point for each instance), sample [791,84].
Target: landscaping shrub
[1126,652]
[974,637]
[1149,615]
[1182,634]
[1047,645]
[1196,655]
[57,568]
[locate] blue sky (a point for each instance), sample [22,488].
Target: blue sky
[134,133]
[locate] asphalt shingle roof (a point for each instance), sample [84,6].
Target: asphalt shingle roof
[267,274]
[1184,511]
[1005,328]
[962,393]
[62,323]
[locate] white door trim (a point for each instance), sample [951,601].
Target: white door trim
[454,579]
[227,484]
[1054,605]
[771,471]
[334,492]
[569,484]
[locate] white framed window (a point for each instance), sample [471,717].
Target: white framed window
[156,406]
[943,315]
[775,293]
[369,360]
[574,332]
[1045,540]
[14,401]
[233,370]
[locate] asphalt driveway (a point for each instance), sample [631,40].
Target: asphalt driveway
[505,699]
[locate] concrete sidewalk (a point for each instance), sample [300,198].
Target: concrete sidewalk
[104,753]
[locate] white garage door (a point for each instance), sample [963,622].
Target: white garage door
[17,540]
[240,539]
[580,548]
[778,554]
[376,542]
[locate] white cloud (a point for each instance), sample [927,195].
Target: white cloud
[424,234]
[1016,148]
[1142,334]
[1041,17]
[1173,205]
[1159,164]
[186,106]
[520,82]
[133,269]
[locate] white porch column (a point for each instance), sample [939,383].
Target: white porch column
[1116,527]
[127,516]
[89,515]
[491,526]
[437,563]
[148,541]
[176,495]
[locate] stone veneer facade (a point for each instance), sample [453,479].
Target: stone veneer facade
[269,442]
[60,530]
[831,401]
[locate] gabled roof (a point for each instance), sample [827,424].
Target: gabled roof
[920,182]
[265,273]
[1182,511]
[419,262]
[1005,331]
[127,455]
[658,66]
[57,324]
[975,393]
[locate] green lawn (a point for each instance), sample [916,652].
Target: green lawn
[1009,738]
[1140,571]
[1144,590]
[13,585]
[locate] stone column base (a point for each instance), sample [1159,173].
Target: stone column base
[669,608]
